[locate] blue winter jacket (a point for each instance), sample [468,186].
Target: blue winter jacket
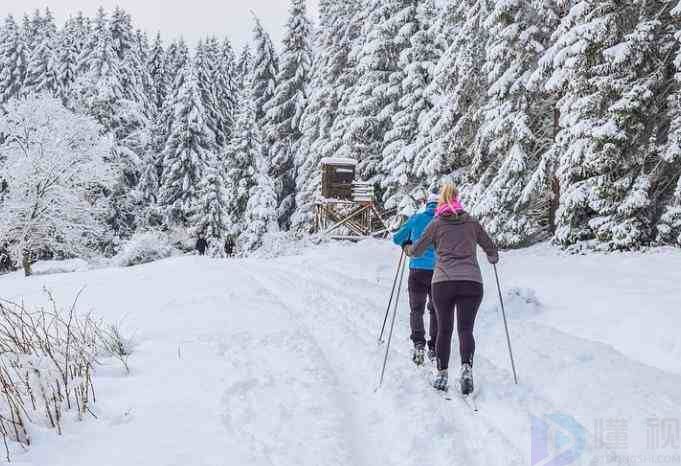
[412,231]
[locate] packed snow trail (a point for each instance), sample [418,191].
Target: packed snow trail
[275,362]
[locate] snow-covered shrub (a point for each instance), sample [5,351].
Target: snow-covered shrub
[283,244]
[59,266]
[47,358]
[145,247]
[182,239]
[114,342]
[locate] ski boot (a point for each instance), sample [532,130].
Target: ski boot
[441,381]
[418,356]
[466,379]
[432,356]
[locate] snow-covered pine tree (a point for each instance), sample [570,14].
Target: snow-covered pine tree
[186,155]
[643,63]
[669,224]
[66,60]
[244,66]
[153,80]
[147,190]
[212,216]
[49,23]
[603,61]
[82,28]
[88,36]
[149,181]
[265,70]
[444,27]
[284,110]
[26,29]
[32,27]
[133,72]
[468,93]
[120,25]
[98,28]
[143,52]
[417,58]
[515,127]
[368,112]
[322,105]
[242,152]
[220,69]
[177,59]
[433,155]
[99,87]
[226,81]
[156,64]
[567,76]
[100,92]
[42,69]
[340,78]
[207,89]
[541,194]
[13,60]
[344,79]
[261,211]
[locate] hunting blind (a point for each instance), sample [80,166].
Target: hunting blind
[347,207]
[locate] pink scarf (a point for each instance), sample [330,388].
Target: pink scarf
[452,207]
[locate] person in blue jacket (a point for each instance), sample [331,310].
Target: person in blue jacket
[420,277]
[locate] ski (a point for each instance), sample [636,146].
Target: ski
[470,401]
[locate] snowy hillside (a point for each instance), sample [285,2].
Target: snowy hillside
[275,362]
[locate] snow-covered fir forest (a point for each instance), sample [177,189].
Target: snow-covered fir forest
[558,119]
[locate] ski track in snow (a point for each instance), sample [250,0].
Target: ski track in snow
[276,362]
[418,410]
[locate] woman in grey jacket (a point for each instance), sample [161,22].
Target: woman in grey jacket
[457,281]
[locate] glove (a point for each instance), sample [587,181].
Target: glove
[408,250]
[493,259]
[405,245]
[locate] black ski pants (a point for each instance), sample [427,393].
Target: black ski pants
[419,294]
[462,298]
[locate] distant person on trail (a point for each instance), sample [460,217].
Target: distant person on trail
[229,246]
[201,244]
[26,262]
[420,278]
[457,281]
[5,260]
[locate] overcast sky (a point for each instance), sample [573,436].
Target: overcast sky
[191,19]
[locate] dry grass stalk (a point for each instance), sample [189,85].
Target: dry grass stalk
[47,359]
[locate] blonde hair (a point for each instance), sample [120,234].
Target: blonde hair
[448,193]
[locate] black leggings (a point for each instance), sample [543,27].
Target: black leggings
[419,295]
[464,297]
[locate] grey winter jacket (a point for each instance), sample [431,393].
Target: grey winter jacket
[456,238]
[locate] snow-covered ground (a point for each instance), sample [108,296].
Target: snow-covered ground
[275,362]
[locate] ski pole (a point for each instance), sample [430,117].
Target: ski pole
[392,324]
[508,337]
[390,301]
